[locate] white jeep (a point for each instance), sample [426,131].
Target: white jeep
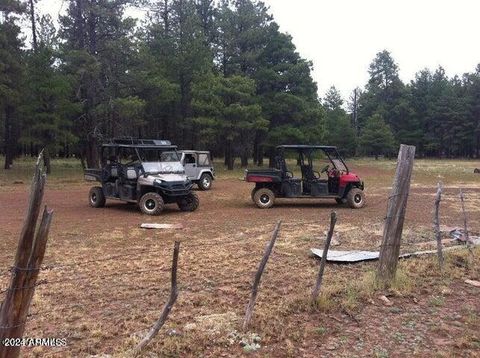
[198,167]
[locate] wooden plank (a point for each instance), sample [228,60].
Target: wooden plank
[161,226]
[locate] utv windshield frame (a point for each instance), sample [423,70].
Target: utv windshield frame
[330,151]
[141,158]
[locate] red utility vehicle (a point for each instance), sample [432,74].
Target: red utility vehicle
[332,181]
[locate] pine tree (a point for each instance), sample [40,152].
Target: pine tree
[97,51]
[377,137]
[288,94]
[472,85]
[227,110]
[178,48]
[338,128]
[384,93]
[11,75]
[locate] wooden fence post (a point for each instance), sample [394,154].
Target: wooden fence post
[318,284]
[258,276]
[397,205]
[436,225]
[465,224]
[168,306]
[28,261]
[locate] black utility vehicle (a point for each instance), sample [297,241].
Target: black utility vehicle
[143,171]
[323,174]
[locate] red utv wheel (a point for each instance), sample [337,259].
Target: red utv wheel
[264,198]
[356,198]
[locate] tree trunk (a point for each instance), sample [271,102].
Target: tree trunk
[8,137]
[271,157]
[244,158]
[255,151]
[34,27]
[229,156]
[227,153]
[92,153]
[46,160]
[260,155]
[231,160]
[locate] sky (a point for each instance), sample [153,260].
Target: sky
[341,37]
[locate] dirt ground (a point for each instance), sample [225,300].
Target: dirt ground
[107,279]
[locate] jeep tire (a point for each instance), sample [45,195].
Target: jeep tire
[264,198]
[189,202]
[151,203]
[205,181]
[356,198]
[96,197]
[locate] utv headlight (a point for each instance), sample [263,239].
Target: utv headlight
[158,181]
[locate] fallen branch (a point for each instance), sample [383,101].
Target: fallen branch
[258,276]
[318,284]
[168,306]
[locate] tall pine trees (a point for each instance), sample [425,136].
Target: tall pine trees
[11,76]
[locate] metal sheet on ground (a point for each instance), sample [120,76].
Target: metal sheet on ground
[347,256]
[359,256]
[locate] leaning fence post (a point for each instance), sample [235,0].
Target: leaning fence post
[25,271]
[168,306]
[397,205]
[465,224]
[436,225]
[318,284]
[258,276]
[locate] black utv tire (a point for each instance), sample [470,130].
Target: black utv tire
[96,197]
[205,182]
[264,198]
[356,198]
[189,202]
[151,204]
